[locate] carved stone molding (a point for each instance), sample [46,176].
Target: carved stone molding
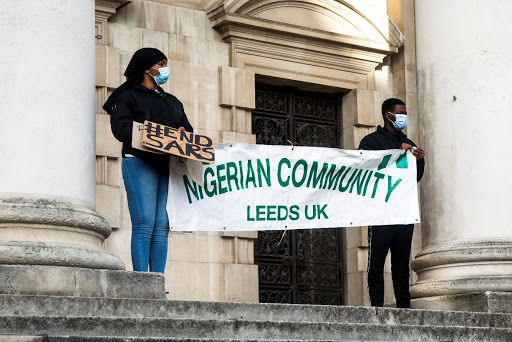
[456,267]
[322,34]
[105,9]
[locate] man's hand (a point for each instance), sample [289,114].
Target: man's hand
[405,146]
[181,129]
[418,153]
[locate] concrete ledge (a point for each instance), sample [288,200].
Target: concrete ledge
[80,282]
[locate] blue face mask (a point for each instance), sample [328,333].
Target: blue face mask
[400,121]
[163,76]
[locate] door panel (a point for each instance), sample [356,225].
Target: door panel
[303,266]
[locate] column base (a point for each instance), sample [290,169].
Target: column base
[452,269]
[57,254]
[53,231]
[489,301]
[80,282]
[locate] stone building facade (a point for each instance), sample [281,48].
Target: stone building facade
[313,72]
[224,57]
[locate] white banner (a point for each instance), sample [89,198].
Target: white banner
[261,187]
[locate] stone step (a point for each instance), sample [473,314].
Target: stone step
[244,330]
[21,338]
[75,281]
[162,339]
[136,308]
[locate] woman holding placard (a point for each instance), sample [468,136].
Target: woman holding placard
[146,174]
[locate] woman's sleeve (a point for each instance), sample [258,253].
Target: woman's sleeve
[121,120]
[185,123]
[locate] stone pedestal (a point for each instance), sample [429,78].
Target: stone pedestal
[464,108]
[79,282]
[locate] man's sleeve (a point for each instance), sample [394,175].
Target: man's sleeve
[368,143]
[420,164]
[420,168]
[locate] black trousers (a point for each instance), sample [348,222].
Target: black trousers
[396,238]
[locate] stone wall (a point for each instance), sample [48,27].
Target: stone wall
[201,266]
[216,53]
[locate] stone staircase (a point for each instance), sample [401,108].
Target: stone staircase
[63,319]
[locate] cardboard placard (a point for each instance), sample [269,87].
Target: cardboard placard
[183,144]
[137,131]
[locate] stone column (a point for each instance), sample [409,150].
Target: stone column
[464,98]
[47,150]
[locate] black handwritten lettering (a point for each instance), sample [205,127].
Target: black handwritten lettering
[191,151]
[158,142]
[170,132]
[174,144]
[186,144]
[209,150]
[153,129]
[187,136]
[198,141]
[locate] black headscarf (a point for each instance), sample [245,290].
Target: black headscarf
[141,61]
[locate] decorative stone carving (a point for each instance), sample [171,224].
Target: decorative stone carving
[316,33]
[105,9]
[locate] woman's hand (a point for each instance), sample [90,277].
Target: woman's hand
[181,129]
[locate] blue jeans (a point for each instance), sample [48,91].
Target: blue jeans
[146,190]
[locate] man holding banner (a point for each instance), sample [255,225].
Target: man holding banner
[396,238]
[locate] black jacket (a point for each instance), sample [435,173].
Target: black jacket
[139,103]
[383,139]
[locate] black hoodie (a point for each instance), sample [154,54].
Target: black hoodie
[139,103]
[383,139]
[133,102]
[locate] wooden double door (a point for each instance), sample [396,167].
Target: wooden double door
[304,266]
